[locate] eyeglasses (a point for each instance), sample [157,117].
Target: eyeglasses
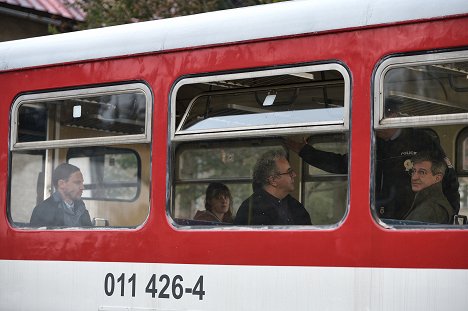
[420,172]
[289,172]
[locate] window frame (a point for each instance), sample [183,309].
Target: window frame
[78,93]
[396,61]
[175,134]
[52,146]
[420,122]
[179,139]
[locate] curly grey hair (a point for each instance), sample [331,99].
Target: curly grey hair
[266,167]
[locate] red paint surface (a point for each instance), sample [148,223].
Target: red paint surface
[359,241]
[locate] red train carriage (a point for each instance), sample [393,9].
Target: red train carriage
[153,113]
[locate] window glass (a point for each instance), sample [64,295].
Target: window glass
[218,162]
[26,185]
[80,158]
[463,147]
[77,115]
[277,99]
[462,170]
[463,195]
[326,183]
[190,198]
[421,106]
[200,164]
[326,200]
[109,173]
[226,125]
[413,100]
[122,114]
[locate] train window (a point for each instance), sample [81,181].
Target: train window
[225,126]
[83,150]
[420,107]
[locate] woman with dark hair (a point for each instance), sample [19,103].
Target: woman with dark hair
[218,204]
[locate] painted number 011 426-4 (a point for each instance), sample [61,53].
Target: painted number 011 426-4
[163,286]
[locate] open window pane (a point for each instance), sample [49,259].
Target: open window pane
[434,91]
[277,99]
[115,115]
[87,117]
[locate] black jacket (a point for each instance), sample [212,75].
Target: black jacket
[51,213]
[392,181]
[261,208]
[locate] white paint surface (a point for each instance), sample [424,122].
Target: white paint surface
[263,21]
[48,285]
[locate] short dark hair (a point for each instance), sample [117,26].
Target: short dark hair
[438,162]
[266,167]
[63,171]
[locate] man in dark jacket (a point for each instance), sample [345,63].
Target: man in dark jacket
[430,204]
[271,202]
[395,147]
[65,206]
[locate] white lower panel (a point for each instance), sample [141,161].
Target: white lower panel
[51,285]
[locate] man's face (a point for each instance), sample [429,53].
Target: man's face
[285,181]
[72,188]
[422,177]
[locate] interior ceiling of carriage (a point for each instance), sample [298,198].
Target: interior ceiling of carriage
[275,81]
[286,88]
[431,89]
[414,105]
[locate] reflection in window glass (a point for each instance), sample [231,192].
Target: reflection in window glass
[433,89]
[121,114]
[27,185]
[463,195]
[218,162]
[462,169]
[108,173]
[326,200]
[326,181]
[464,158]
